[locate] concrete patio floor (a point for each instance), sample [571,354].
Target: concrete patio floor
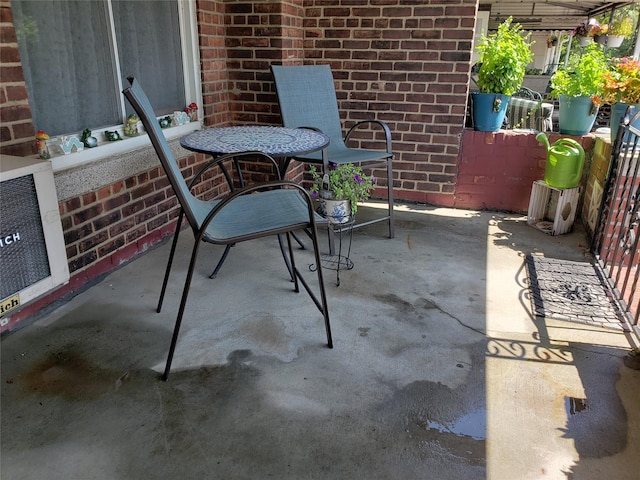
[438,369]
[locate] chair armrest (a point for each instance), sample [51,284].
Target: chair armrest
[380,123]
[248,191]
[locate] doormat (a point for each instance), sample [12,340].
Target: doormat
[573,291]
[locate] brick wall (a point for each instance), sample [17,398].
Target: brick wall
[213,58]
[16,128]
[407,65]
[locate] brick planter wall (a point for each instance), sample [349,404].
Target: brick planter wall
[496,170]
[596,178]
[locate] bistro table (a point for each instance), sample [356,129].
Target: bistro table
[282,143]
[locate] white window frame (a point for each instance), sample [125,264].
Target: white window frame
[193,92]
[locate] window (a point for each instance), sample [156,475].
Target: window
[76,55]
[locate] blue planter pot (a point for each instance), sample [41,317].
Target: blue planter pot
[617,112]
[489,110]
[577,115]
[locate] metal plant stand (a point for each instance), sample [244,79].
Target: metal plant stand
[335,260]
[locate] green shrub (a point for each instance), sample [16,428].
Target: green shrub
[504,56]
[585,77]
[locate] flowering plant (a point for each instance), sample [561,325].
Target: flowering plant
[342,182]
[621,27]
[622,82]
[586,30]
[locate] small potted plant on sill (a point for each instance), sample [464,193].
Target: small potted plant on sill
[504,56]
[340,189]
[612,34]
[579,89]
[622,92]
[585,32]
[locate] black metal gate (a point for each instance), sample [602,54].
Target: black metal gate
[615,240]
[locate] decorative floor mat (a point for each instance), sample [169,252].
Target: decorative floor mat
[573,291]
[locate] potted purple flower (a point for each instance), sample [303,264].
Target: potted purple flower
[340,189]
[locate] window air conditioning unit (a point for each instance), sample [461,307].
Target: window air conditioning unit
[33,259]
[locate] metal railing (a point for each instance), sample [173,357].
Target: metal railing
[616,237]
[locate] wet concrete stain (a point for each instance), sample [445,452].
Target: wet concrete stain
[600,414]
[435,417]
[404,306]
[407,312]
[363,331]
[71,375]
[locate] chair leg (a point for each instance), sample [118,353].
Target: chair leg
[183,303]
[284,255]
[323,292]
[322,303]
[221,261]
[298,241]
[392,227]
[170,261]
[291,265]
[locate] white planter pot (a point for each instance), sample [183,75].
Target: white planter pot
[584,41]
[612,41]
[336,211]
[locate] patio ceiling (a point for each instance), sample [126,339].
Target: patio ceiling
[546,14]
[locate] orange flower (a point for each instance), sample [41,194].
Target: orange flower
[622,83]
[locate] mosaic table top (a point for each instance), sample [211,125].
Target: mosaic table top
[275,141]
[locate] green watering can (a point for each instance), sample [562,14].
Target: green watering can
[565,161]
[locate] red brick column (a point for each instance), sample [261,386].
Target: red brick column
[213,58]
[17,133]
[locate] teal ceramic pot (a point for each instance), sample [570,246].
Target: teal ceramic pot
[489,110]
[617,113]
[577,115]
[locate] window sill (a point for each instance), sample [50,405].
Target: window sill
[106,149]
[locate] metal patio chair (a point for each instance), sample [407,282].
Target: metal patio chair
[307,98]
[268,209]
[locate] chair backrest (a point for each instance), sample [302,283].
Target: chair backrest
[307,98]
[140,103]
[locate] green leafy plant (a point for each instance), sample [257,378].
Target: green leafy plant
[584,77]
[504,56]
[343,182]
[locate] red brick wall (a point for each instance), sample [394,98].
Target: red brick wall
[16,128]
[407,65]
[496,170]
